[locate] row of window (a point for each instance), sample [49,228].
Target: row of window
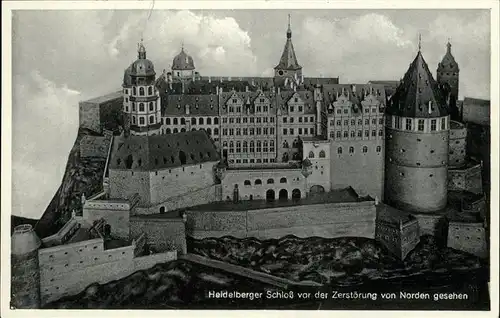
[364,149]
[259,181]
[346,110]
[175,131]
[300,119]
[142,120]
[360,122]
[142,91]
[142,107]
[258,146]
[300,131]
[248,131]
[345,133]
[245,120]
[258,160]
[194,121]
[409,123]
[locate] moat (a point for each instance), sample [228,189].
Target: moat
[343,265]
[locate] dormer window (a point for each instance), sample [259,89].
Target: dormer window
[235,100]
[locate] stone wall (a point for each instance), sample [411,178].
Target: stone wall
[124,184]
[114,212]
[432,224]
[163,234]
[468,179]
[25,283]
[320,166]
[69,269]
[326,220]
[193,198]
[145,262]
[468,237]
[89,116]
[94,146]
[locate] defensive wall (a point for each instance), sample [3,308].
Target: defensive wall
[468,178]
[101,112]
[325,220]
[162,234]
[469,237]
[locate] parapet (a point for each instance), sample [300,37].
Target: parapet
[24,240]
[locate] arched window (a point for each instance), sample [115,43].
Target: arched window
[283,180]
[183,130]
[150,90]
[247,183]
[176,130]
[133,107]
[209,121]
[151,108]
[270,181]
[182,157]
[193,121]
[365,149]
[216,121]
[209,131]
[141,121]
[339,150]
[141,107]
[133,120]
[167,121]
[258,181]
[168,131]
[183,121]
[176,122]
[200,121]
[151,119]
[379,148]
[216,131]
[141,91]
[311,154]
[351,149]
[224,144]
[322,154]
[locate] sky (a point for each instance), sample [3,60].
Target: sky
[62,57]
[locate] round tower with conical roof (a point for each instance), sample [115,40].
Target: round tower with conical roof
[141,104]
[25,286]
[417,133]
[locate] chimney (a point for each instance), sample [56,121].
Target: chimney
[430,107]
[246,88]
[210,79]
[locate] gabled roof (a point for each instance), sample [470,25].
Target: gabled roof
[356,93]
[418,94]
[205,105]
[149,153]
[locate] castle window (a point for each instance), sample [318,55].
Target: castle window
[216,131]
[209,131]
[134,90]
[311,154]
[118,161]
[408,124]
[283,180]
[339,150]
[433,125]
[238,146]
[182,157]
[380,132]
[443,123]
[265,146]
[420,125]
[381,121]
[360,133]
[374,121]
[183,121]
[258,182]
[150,90]
[176,122]
[322,154]
[353,122]
[141,107]
[141,91]
[365,149]
[167,121]
[339,122]
[367,121]
[151,119]
[346,134]
[346,122]
[360,122]
[259,146]
[247,183]
[367,133]
[151,107]
[374,133]
[379,148]
[351,149]
[402,174]
[176,130]
[252,146]
[193,121]
[270,181]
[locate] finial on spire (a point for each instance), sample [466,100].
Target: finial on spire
[448,45]
[141,49]
[182,46]
[419,42]
[289,30]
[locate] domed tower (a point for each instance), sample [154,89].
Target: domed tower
[183,69]
[25,287]
[288,71]
[447,77]
[417,132]
[141,103]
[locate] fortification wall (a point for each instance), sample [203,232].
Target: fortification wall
[196,197]
[89,115]
[25,285]
[468,237]
[326,220]
[363,171]
[124,184]
[94,146]
[457,144]
[161,233]
[468,179]
[145,262]
[116,214]
[431,224]
[69,269]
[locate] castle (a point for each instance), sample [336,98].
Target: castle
[262,157]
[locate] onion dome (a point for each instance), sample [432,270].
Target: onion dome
[183,61]
[24,240]
[142,66]
[418,95]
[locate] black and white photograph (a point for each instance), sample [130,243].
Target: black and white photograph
[249,156]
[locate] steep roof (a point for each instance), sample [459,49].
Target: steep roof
[148,153]
[288,60]
[448,62]
[176,105]
[418,94]
[356,93]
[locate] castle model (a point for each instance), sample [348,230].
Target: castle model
[259,157]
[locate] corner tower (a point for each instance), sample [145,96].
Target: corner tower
[288,72]
[417,132]
[141,104]
[448,78]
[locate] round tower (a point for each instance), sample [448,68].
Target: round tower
[141,104]
[417,133]
[25,287]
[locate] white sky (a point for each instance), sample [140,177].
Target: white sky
[62,57]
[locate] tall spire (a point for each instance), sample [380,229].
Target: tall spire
[289,30]
[419,42]
[448,46]
[141,50]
